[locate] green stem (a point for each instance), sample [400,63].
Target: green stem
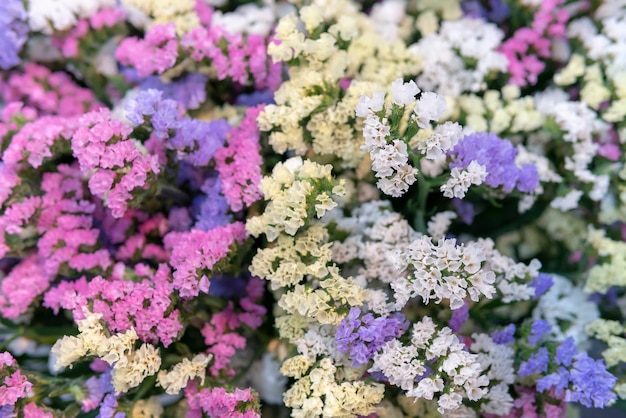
[145,387]
[423,188]
[8,341]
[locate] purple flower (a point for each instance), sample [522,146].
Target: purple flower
[542,283]
[537,331]
[150,106]
[108,408]
[565,352]
[364,336]
[504,336]
[559,381]
[197,141]
[465,210]
[459,317]
[256,98]
[211,210]
[592,384]
[13,32]
[188,91]
[498,157]
[537,363]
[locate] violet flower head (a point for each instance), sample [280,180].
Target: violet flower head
[189,91]
[537,363]
[537,331]
[558,381]
[364,336]
[211,210]
[498,157]
[542,283]
[566,352]
[459,317]
[149,105]
[504,336]
[592,384]
[196,141]
[13,32]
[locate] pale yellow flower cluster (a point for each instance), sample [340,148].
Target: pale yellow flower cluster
[158,12]
[291,261]
[326,391]
[130,366]
[504,113]
[297,191]
[336,59]
[176,379]
[604,275]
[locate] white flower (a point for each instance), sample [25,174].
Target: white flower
[404,93]
[567,202]
[460,180]
[444,138]
[565,303]
[430,106]
[438,225]
[367,105]
[177,378]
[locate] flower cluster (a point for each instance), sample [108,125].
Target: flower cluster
[312,208]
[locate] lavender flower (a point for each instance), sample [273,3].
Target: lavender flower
[13,32]
[256,98]
[497,11]
[149,105]
[537,363]
[459,317]
[559,381]
[197,141]
[498,157]
[537,331]
[592,384]
[504,336]
[566,352]
[189,91]
[365,336]
[108,408]
[542,283]
[211,210]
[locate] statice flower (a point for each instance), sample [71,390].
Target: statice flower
[211,210]
[47,92]
[219,402]
[390,161]
[497,156]
[542,283]
[457,373]
[155,53]
[587,382]
[364,335]
[193,141]
[13,32]
[459,317]
[239,162]
[537,363]
[565,352]
[120,169]
[189,91]
[298,191]
[538,329]
[504,336]
[14,385]
[441,271]
[461,179]
[194,253]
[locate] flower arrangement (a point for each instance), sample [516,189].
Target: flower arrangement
[382,209]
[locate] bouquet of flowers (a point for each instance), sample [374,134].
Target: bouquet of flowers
[312,208]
